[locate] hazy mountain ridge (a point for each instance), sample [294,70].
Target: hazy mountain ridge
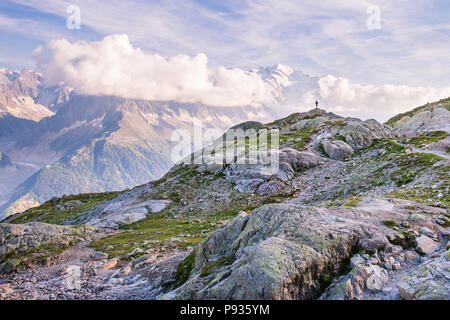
[84,129]
[98,143]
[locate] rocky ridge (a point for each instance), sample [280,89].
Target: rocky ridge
[367,219]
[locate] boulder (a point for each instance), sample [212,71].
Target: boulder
[118,212]
[356,260]
[337,149]
[279,251]
[423,122]
[377,278]
[266,172]
[425,245]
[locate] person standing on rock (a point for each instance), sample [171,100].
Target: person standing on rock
[317,104]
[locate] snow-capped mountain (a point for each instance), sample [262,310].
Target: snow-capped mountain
[18,95]
[59,142]
[294,90]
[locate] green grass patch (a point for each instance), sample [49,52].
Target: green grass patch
[48,212]
[297,139]
[321,149]
[184,270]
[353,202]
[422,140]
[157,231]
[389,223]
[401,177]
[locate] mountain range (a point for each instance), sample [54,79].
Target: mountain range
[59,142]
[355,210]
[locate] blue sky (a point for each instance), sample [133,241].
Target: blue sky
[319,37]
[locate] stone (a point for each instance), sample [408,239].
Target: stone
[256,172]
[337,149]
[445,234]
[123,210]
[377,242]
[411,256]
[96,256]
[427,232]
[378,277]
[341,291]
[406,292]
[422,122]
[430,281]
[396,265]
[405,224]
[425,245]
[32,236]
[126,270]
[357,259]
[110,264]
[263,265]
[400,257]
[72,204]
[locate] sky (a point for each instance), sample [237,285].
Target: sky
[374,43]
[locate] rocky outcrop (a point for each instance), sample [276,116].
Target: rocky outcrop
[267,172]
[19,241]
[290,251]
[422,122]
[277,252]
[361,134]
[336,149]
[431,280]
[361,277]
[122,210]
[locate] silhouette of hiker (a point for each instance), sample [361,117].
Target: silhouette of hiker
[317,104]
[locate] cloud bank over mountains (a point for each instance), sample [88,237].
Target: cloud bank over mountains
[113,66]
[380,102]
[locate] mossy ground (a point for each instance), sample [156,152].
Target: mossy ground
[159,231]
[390,223]
[352,202]
[192,214]
[17,260]
[48,212]
[297,139]
[444,103]
[422,140]
[184,270]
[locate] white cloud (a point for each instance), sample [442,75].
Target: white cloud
[319,37]
[369,101]
[113,66]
